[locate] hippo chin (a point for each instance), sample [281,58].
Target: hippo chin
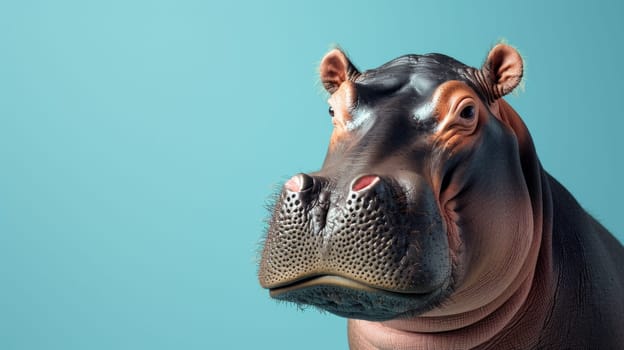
[432,225]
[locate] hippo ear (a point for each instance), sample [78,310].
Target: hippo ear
[335,69]
[502,70]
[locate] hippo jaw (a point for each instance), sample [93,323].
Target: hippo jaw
[377,252]
[351,299]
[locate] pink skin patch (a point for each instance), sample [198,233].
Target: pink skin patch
[364,182]
[294,184]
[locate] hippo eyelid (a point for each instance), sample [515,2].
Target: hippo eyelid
[460,107]
[450,114]
[464,103]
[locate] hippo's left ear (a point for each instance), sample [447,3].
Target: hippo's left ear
[502,71]
[335,69]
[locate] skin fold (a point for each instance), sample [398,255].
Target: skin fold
[432,225]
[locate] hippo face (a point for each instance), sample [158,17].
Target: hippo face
[420,207]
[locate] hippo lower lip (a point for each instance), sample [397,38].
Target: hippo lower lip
[352,299]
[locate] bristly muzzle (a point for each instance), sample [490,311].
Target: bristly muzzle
[372,235]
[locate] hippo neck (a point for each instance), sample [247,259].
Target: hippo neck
[520,310]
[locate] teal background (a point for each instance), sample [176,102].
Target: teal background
[139,141]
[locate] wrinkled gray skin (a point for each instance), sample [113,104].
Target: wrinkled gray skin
[426,209]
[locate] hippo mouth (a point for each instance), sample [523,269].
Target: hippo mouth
[377,252]
[352,299]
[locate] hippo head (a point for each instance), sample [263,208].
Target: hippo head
[420,207]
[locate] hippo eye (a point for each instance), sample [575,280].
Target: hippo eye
[468,112]
[331,111]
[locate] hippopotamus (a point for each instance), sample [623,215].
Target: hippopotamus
[432,224]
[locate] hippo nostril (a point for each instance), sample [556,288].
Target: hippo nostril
[299,183]
[364,182]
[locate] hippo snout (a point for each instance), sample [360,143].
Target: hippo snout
[368,236]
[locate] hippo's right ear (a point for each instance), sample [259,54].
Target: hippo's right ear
[335,69]
[502,71]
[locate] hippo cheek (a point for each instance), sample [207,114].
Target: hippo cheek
[374,253]
[490,216]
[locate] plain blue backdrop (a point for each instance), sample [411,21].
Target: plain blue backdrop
[140,140]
